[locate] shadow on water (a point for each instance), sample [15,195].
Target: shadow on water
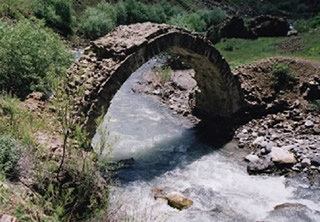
[164,156]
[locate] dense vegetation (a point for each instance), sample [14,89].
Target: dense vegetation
[30,60]
[34,56]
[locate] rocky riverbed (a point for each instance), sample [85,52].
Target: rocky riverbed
[279,129]
[177,90]
[283,132]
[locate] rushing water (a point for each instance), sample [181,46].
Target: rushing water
[167,155]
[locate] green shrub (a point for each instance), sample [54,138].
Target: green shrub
[9,154]
[282,77]
[132,11]
[304,25]
[213,34]
[56,13]
[314,22]
[192,22]
[212,17]
[301,25]
[98,21]
[15,9]
[316,105]
[31,57]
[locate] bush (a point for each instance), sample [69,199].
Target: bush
[31,58]
[316,105]
[304,25]
[192,22]
[132,11]
[281,76]
[213,34]
[98,21]
[314,22]
[56,13]
[14,9]
[212,17]
[9,154]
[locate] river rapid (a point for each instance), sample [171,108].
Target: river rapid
[168,155]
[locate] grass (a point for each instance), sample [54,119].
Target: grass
[15,204]
[164,73]
[243,51]
[18,122]
[312,45]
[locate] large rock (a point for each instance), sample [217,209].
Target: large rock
[282,156]
[311,90]
[178,200]
[184,80]
[262,165]
[269,26]
[288,212]
[234,27]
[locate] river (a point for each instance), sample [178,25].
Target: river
[167,155]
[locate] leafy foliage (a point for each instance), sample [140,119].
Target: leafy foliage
[9,154]
[98,21]
[304,25]
[101,19]
[192,22]
[30,60]
[56,13]
[15,9]
[316,105]
[281,76]
[212,17]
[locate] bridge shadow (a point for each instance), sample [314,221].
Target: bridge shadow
[164,157]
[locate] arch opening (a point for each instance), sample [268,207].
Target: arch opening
[110,60]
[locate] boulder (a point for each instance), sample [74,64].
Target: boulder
[311,90]
[315,161]
[183,80]
[269,26]
[282,156]
[233,27]
[263,165]
[288,212]
[178,200]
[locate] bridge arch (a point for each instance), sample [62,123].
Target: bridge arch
[110,60]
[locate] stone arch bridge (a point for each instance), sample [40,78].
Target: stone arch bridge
[110,60]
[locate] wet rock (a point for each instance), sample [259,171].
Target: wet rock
[287,205]
[252,158]
[288,212]
[309,124]
[281,156]
[8,218]
[315,161]
[259,140]
[178,200]
[306,162]
[262,165]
